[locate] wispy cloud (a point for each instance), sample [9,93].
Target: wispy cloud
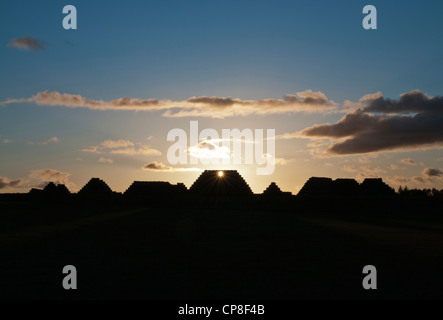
[365,170]
[400,180]
[90,149]
[50,175]
[105,160]
[39,178]
[213,107]
[364,160]
[28,43]
[351,169]
[124,147]
[373,169]
[50,140]
[428,175]
[409,162]
[160,167]
[143,150]
[111,144]
[6,183]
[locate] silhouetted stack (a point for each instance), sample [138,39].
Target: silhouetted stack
[345,187]
[95,188]
[375,187]
[221,183]
[317,187]
[153,190]
[50,191]
[56,190]
[275,191]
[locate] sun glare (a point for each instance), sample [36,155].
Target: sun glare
[220,174]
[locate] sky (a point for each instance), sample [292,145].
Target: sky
[100,100]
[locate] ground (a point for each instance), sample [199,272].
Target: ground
[154,253]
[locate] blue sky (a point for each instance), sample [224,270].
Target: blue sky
[174,50]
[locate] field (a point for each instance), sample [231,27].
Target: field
[153,253]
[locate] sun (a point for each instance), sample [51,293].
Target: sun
[220,174]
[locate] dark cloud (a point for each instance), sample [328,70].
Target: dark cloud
[414,121]
[433,172]
[6,183]
[28,43]
[411,102]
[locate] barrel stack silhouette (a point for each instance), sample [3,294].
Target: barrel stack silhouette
[221,183]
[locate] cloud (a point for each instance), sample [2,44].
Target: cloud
[283,161]
[374,170]
[124,147]
[28,43]
[398,180]
[433,172]
[50,140]
[213,107]
[415,121]
[6,183]
[366,175]
[143,150]
[409,162]
[428,175]
[156,166]
[110,144]
[160,167]
[350,169]
[90,149]
[350,106]
[50,175]
[105,160]
[364,160]
[420,179]
[364,170]
[209,150]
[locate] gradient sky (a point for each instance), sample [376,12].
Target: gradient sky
[247,50]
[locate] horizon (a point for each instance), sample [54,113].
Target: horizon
[222,175]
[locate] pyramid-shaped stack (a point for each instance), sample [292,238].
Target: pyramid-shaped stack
[221,183]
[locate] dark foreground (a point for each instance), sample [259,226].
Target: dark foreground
[154,253]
